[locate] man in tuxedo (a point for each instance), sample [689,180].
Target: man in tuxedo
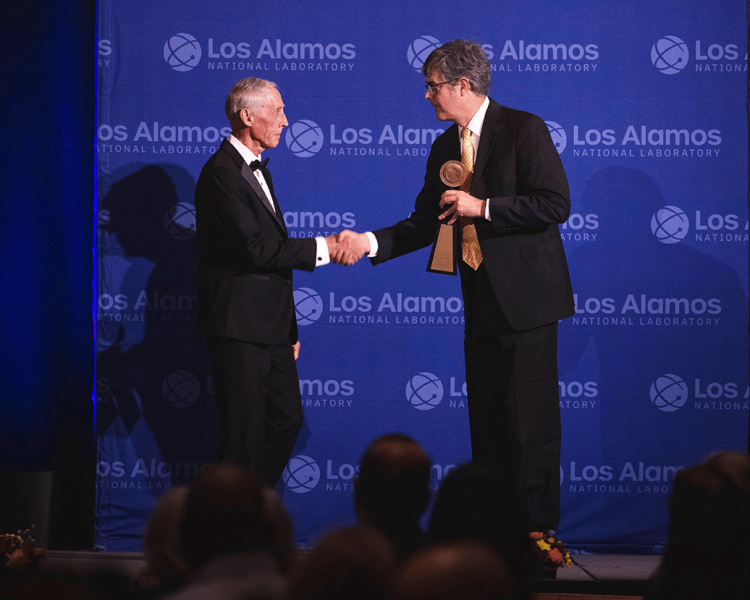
[245,293]
[514,275]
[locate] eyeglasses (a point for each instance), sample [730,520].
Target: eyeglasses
[432,88]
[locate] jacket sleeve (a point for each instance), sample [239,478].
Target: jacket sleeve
[541,195]
[418,229]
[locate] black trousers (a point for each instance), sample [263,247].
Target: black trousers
[259,404]
[513,400]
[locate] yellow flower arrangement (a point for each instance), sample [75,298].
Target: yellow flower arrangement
[549,551]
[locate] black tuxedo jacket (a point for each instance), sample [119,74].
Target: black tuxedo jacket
[245,256]
[519,170]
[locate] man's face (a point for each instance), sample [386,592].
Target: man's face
[270,121]
[446,98]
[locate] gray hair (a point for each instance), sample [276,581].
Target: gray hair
[458,59]
[247,93]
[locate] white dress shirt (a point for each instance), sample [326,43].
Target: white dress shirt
[475,126]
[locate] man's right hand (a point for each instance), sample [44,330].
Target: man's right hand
[347,247]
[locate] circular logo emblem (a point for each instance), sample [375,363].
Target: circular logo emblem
[558,136]
[670,225]
[669,393]
[179,221]
[304,138]
[301,474]
[309,306]
[424,391]
[670,55]
[420,49]
[181,389]
[182,52]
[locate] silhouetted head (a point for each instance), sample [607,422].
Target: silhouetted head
[478,501]
[224,514]
[466,569]
[352,563]
[161,542]
[393,485]
[710,515]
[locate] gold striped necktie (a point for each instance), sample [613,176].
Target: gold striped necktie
[470,250]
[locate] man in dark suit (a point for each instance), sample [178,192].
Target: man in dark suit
[245,293]
[515,285]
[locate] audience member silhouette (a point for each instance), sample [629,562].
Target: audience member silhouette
[235,538]
[465,569]
[392,490]
[166,570]
[352,563]
[478,502]
[707,554]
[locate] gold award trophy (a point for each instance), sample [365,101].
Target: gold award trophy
[443,255]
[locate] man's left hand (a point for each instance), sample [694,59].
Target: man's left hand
[296,348]
[460,204]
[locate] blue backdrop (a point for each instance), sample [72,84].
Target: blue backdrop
[646,104]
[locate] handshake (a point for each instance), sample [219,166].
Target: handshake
[347,247]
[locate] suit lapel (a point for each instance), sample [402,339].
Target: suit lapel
[453,143]
[248,175]
[490,128]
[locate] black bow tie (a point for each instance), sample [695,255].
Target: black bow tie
[256,164]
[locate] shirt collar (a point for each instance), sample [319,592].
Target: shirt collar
[244,151]
[475,125]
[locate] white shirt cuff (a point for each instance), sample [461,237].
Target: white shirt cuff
[322,258]
[373,244]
